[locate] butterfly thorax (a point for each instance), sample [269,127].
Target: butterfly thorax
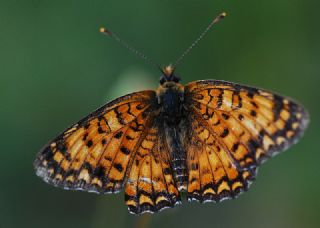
[170,99]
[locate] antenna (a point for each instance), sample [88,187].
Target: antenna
[216,20]
[109,33]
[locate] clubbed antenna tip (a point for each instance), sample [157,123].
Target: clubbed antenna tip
[109,33]
[105,31]
[214,21]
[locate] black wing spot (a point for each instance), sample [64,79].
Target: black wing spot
[278,106]
[140,106]
[118,135]
[89,143]
[193,180]
[99,171]
[235,147]
[118,167]
[107,158]
[216,123]
[254,104]
[250,94]
[61,147]
[100,131]
[253,113]
[225,116]
[125,150]
[225,132]
[129,137]
[85,136]
[166,171]
[220,98]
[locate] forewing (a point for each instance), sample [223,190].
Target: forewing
[94,154]
[150,186]
[234,129]
[252,124]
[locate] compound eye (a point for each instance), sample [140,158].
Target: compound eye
[162,80]
[176,79]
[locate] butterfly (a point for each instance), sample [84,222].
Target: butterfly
[206,138]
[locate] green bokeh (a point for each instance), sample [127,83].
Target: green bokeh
[55,67]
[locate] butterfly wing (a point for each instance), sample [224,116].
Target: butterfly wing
[94,154]
[236,128]
[119,144]
[213,174]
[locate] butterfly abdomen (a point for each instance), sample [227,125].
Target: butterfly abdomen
[178,156]
[180,171]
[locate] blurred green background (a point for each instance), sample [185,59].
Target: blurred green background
[55,67]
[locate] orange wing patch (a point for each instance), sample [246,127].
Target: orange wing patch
[252,124]
[94,154]
[214,175]
[234,129]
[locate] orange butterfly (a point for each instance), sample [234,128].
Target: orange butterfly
[206,138]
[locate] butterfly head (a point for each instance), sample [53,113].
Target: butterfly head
[170,96]
[168,75]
